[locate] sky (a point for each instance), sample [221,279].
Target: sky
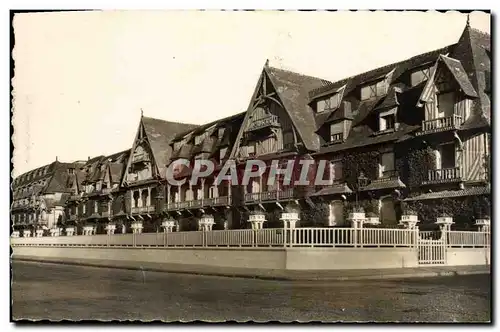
[82,78]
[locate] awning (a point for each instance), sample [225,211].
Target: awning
[452,193]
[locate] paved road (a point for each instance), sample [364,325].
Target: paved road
[55,292]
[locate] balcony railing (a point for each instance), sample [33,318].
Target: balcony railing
[387,176]
[143,209]
[444,175]
[199,203]
[275,195]
[441,124]
[268,121]
[140,158]
[336,138]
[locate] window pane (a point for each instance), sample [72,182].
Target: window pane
[380,88]
[337,128]
[447,156]
[321,106]
[365,92]
[334,101]
[446,103]
[387,162]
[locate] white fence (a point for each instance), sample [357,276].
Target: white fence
[270,237]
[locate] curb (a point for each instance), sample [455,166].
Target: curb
[422,274]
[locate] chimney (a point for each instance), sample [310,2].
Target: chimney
[88,158]
[56,158]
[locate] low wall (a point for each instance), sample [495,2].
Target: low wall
[468,256]
[242,258]
[256,258]
[346,258]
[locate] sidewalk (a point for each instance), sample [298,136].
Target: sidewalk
[269,274]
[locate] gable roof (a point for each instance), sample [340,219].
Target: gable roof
[399,68]
[458,72]
[160,134]
[292,89]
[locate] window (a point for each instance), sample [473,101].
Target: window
[386,164]
[420,75]
[337,132]
[445,156]
[71,171]
[84,208]
[96,206]
[327,104]
[445,104]
[387,122]
[374,90]
[335,170]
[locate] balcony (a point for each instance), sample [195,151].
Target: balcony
[268,121]
[276,195]
[142,209]
[387,176]
[199,203]
[440,124]
[444,175]
[140,158]
[336,138]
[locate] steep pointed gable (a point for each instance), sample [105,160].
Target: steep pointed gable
[456,70]
[160,134]
[292,89]
[157,135]
[472,49]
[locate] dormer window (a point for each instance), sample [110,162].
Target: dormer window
[337,132]
[420,75]
[71,171]
[329,103]
[387,120]
[374,89]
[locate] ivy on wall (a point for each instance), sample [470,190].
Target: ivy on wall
[415,164]
[464,210]
[315,216]
[357,162]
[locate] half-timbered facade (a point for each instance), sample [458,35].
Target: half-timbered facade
[413,134]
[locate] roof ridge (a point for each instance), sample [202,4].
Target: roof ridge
[168,121]
[394,64]
[480,32]
[299,74]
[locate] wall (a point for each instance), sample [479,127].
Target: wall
[239,258]
[468,256]
[359,258]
